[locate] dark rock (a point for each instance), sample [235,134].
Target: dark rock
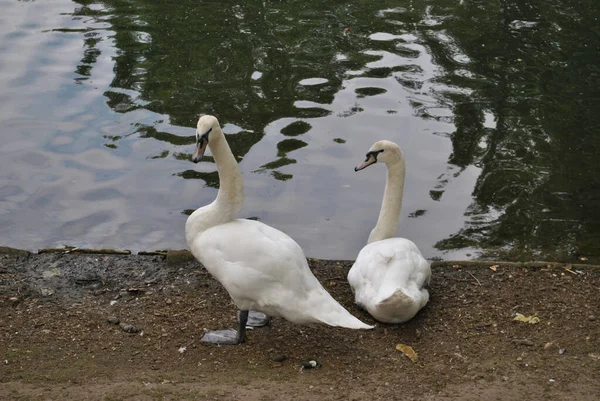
[113,320]
[279,358]
[129,328]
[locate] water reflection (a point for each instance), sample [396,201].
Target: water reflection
[492,103]
[537,195]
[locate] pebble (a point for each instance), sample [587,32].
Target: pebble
[113,320]
[46,292]
[591,318]
[13,300]
[561,351]
[129,328]
[279,358]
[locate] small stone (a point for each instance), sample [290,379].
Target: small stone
[14,301]
[562,351]
[113,320]
[168,302]
[46,331]
[129,328]
[591,318]
[547,346]
[279,358]
[46,292]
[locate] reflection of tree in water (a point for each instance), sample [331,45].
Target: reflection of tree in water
[240,61]
[530,64]
[539,189]
[283,148]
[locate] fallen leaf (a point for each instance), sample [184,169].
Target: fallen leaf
[527,319]
[494,267]
[407,351]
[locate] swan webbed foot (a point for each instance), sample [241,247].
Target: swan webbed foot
[222,337]
[256,319]
[229,336]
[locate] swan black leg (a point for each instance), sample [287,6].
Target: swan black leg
[241,331]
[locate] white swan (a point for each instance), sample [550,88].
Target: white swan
[261,268]
[390,276]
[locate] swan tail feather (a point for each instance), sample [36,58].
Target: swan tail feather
[340,317]
[349,324]
[400,306]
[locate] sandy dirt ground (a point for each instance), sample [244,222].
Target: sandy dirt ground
[65,319]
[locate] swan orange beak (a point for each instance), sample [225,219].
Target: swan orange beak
[371,159]
[200,149]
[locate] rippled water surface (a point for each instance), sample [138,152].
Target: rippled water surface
[495,103]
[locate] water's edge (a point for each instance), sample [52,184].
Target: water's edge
[174,256]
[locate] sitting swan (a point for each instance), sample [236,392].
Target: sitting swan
[390,275]
[261,268]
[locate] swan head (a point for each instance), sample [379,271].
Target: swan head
[382,151]
[208,130]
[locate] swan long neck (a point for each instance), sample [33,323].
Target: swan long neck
[387,223]
[231,184]
[229,198]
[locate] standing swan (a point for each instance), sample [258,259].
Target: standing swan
[390,275]
[261,268]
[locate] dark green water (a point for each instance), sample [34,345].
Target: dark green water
[495,103]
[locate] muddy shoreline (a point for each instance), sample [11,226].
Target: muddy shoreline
[59,340]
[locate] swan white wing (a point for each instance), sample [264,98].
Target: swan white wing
[264,269]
